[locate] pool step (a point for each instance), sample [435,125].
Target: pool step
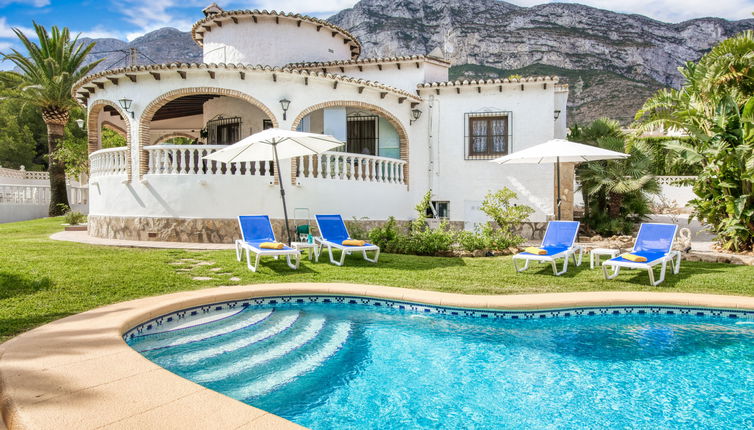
[198,333]
[278,323]
[307,329]
[289,368]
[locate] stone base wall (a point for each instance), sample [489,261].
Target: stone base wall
[206,230]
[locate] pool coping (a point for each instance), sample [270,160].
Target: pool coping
[77,372]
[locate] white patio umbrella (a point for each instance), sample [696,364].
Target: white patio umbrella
[275,144]
[557,151]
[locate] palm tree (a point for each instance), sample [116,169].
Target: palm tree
[715,107]
[45,80]
[615,191]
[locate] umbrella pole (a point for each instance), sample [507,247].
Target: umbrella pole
[282,192]
[557,168]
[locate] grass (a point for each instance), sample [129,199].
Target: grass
[42,280]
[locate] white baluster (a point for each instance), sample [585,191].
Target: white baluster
[400,173]
[311,165]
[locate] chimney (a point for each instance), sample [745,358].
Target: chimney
[212,9]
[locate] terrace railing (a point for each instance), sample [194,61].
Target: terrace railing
[113,161]
[188,160]
[353,167]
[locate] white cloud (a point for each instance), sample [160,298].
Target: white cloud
[7,32]
[149,15]
[317,8]
[669,10]
[34,3]
[99,32]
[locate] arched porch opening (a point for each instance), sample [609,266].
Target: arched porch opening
[109,127]
[367,129]
[210,117]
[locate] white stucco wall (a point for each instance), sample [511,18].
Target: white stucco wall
[228,107]
[268,43]
[464,183]
[561,124]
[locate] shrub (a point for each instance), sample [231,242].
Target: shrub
[385,236]
[356,230]
[74,218]
[501,233]
[419,239]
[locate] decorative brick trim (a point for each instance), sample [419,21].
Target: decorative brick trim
[168,136]
[93,131]
[395,122]
[145,120]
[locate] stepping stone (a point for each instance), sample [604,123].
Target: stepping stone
[215,269]
[177,263]
[224,274]
[206,263]
[202,278]
[235,278]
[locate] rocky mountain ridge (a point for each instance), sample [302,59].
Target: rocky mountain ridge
[612,61]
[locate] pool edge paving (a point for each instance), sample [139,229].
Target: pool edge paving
[78,372]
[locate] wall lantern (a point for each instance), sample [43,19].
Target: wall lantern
[284,103]
[415,114]
[126,105]
[80,123]
[557,114]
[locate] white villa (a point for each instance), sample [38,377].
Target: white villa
[407,130]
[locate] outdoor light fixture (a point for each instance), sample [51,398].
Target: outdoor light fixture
[284,103]
[126,105]
[557,114]
[415,114]
[80,123]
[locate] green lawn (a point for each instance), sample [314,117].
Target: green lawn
[42,280]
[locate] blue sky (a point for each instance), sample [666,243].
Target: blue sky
[128,19]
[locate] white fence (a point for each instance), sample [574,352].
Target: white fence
[113,161]
[674,192]
[26,196]
[354,167]
[188,160]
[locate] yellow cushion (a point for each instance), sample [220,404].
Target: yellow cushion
[636,258]
[272,245]
[354,242]
[535,250]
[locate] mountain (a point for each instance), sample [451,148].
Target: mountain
[166,45]
[612,61]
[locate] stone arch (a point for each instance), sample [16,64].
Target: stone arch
[169,136]
[395,122]
[145,120]
[93,129]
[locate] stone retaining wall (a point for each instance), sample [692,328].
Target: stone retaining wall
[222,230]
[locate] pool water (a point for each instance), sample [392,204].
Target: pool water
[337,366]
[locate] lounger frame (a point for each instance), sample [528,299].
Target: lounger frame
[672,257]
[576,252]
[243,246]
[345,250]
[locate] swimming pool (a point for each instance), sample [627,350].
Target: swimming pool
[360,363]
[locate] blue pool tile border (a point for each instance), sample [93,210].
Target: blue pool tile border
[186,314]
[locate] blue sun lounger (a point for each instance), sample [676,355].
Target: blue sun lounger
[332,233]
[256,229]
[559,242]
[655,243]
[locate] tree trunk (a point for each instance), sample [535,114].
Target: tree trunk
[58,191]
[614,205]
